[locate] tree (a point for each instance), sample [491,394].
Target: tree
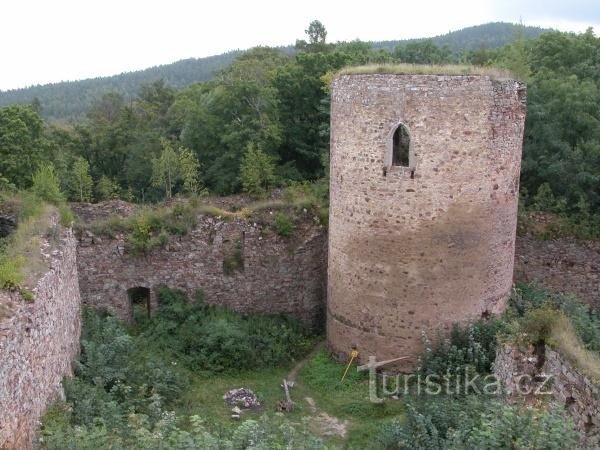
[45,184]
[172,166]
[21,144]
[317,35]
[422,52]
[190,168]
[165,169]
[107,189]
[81,181]
[257,171]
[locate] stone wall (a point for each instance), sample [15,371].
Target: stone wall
[420,247]
[38,341]
[569,388]
[277,274]
[562,265]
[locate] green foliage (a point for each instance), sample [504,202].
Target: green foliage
[472,347]
[422,52]
[561,154]
[585,320]
[45,184]
[472,422]
[21,144]
[11,275]
[211,339]
[173,166]
[107,189]
[283,224]
[81,182]
[257,172]
[146,234]
[65,215]
[538,323]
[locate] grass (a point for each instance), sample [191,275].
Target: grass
[20,258]
[205,394]
[160,221]
[421,69]
[347,400]
[319,380]
[564,339]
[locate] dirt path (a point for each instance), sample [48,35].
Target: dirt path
[293,374]
[321,422]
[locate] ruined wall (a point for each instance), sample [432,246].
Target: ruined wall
[38,341]
[277,275]
[569,388]
[561,265]
[416,249]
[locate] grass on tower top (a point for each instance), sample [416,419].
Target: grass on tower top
[424,69]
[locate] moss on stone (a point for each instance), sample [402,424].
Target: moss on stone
[423,69]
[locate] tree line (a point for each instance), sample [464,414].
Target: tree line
[264,121]
[71,100]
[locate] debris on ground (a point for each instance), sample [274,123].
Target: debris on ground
[287,405]
[242,398]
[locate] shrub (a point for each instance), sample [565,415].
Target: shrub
[284,225]
[477,423]
[66,215]
[46,184]
[537,324]
[10,272]
[585,320]
[471,346]
[257,172]
[107,189]
[212,339]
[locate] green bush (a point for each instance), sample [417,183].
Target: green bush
[11,275]
[283,224]
[585,320]
[212,339]
[46,184]
[107,189]
[472,346]
[476,423]
[66,215]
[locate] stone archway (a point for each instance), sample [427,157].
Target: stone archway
[139,302]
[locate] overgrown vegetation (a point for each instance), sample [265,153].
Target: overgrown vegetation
[39,211]
[426,69]
[207,338]
[128,382]
[132,384]
[263,122]
[476,422]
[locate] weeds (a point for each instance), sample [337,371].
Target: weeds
[284,225]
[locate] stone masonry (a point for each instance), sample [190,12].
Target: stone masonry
[416,248]
[568,387]
[276,274]
[38,341]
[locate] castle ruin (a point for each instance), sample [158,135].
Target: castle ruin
[423,207]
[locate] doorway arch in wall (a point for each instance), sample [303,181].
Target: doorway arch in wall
[139,302]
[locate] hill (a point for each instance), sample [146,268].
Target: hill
[489,35]
[72,99]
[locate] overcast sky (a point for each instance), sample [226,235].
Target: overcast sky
[52,40]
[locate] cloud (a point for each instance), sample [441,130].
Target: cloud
[579,11]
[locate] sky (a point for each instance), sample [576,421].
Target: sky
[43,41]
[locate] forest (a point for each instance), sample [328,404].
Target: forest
[71,100]
[263,122]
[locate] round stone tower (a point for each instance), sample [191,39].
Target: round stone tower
[423,207]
